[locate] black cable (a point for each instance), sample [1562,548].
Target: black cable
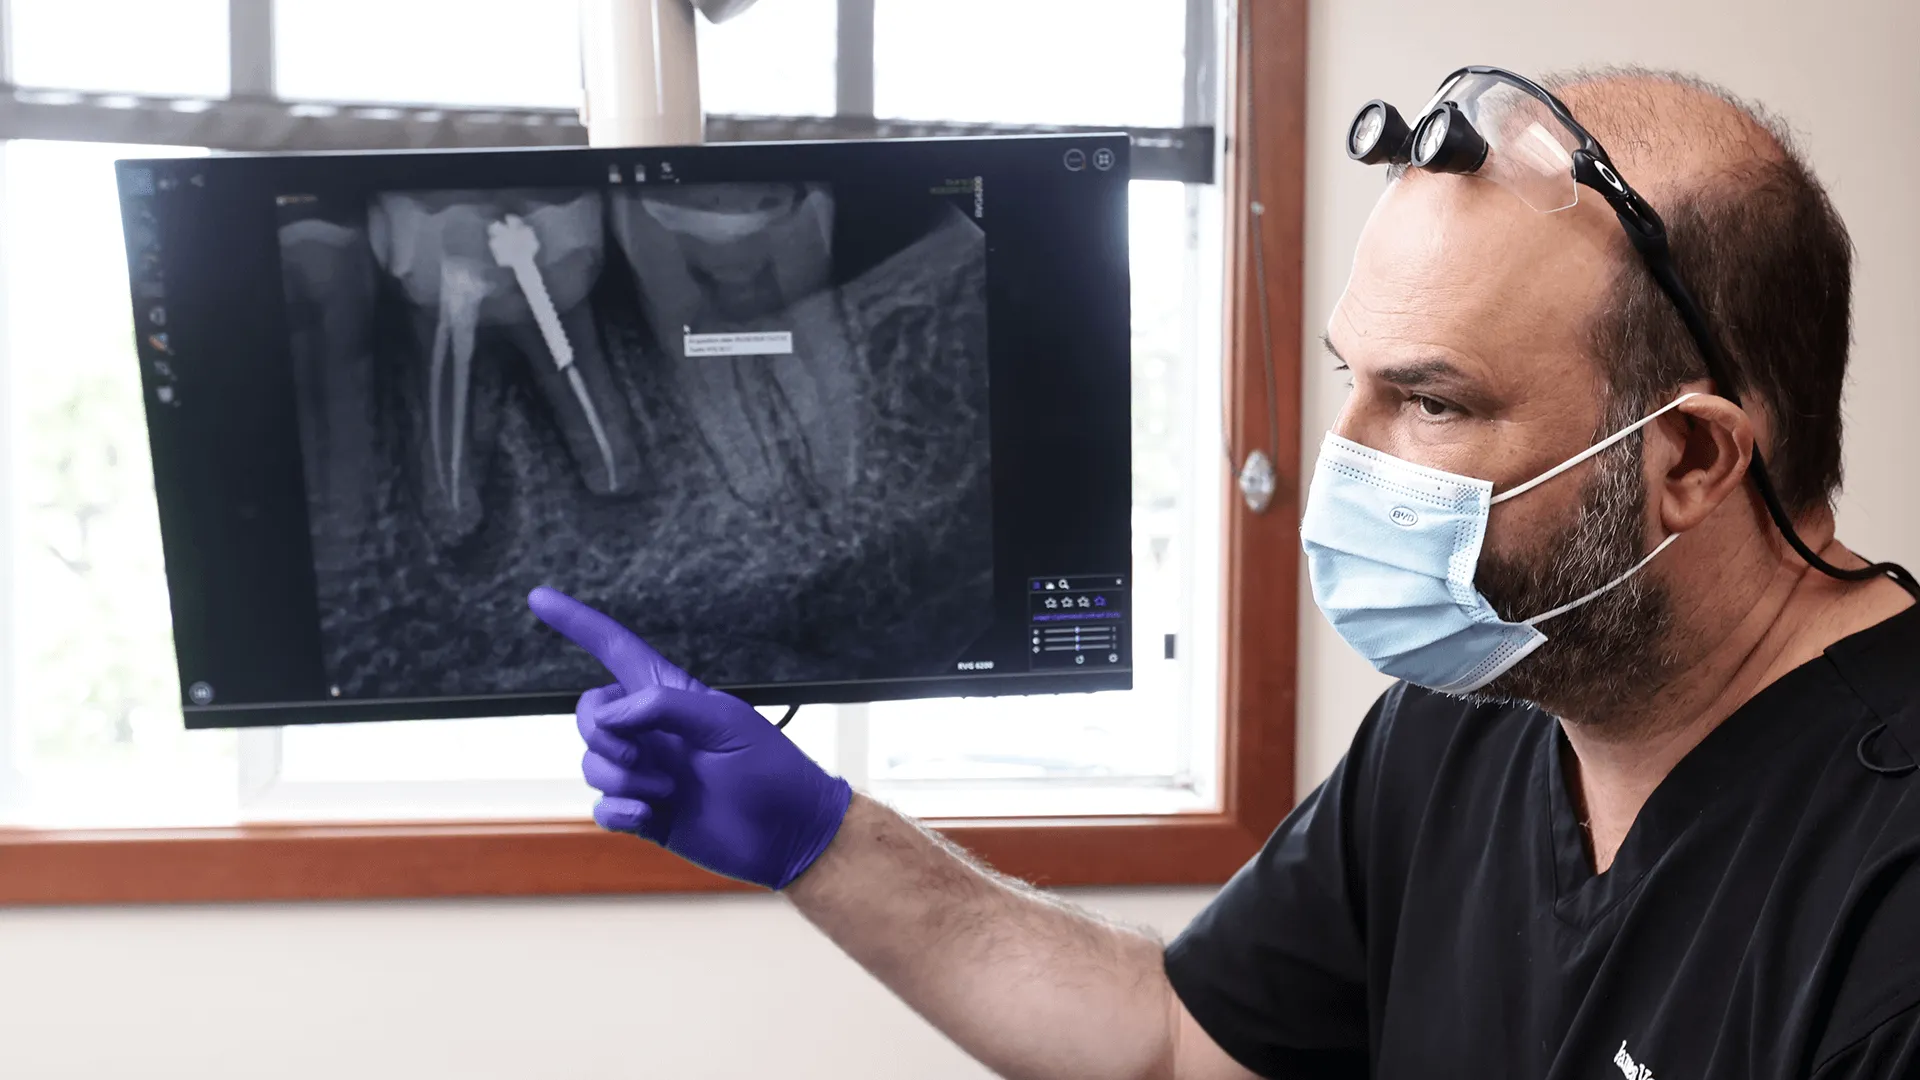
[782,722]
[1718,369]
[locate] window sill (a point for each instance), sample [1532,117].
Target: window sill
[550,858]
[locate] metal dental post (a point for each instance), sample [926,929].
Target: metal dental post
[514,246]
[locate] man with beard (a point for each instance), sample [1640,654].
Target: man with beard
[1645,801]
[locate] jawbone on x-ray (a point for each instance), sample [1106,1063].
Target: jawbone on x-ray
[492,396]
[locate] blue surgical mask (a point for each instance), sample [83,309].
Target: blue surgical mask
[1391,551]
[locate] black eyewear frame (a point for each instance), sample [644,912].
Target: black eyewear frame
[1444,141]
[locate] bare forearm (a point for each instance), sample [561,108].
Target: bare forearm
[1028,984]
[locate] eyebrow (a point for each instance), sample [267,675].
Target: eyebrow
[1425,373]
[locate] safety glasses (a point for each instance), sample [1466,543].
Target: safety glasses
[1490,123]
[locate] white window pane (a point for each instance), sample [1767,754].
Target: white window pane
[493,767]
[429,52]
[138,46]
[1160,727]
[1022,62]
[492,748]
[94,709]
[775,60]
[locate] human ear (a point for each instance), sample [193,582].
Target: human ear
[1698,456]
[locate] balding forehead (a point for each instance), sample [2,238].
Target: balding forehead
[1669,132]
[1460,265]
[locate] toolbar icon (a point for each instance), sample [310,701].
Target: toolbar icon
[160,343]
[1103,159]
[1074,159]
[157,315]
[613,174]
[1063,583]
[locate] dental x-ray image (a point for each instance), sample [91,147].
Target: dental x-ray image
[738,417]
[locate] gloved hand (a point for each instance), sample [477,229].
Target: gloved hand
[692,769]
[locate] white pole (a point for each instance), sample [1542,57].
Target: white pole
[641,69]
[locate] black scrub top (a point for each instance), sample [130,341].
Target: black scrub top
[1431,910]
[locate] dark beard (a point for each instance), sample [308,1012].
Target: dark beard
[1609,652]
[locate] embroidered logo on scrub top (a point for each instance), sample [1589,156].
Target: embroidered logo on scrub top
[1633,1070]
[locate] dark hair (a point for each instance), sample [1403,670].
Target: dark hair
[1759,244]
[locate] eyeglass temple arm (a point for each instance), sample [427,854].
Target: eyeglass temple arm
[1652,245]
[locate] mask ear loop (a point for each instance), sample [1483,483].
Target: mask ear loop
[1570,463]
[1604,589]
[1590,451]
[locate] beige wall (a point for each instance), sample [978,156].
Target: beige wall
[666,989]
[739,986]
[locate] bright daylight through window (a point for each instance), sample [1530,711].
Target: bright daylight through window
[90,729]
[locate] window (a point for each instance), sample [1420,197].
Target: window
[428,52]
[1018,62]
[90,735]
[173,48]
[96,730]
[777,60]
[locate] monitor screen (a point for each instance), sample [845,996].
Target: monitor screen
[820,421]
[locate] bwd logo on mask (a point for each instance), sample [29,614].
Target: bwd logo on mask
[1403,516]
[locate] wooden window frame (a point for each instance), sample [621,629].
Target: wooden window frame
[374,860]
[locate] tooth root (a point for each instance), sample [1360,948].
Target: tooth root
[515,245]
[436,375]
[593,421]
[462,291]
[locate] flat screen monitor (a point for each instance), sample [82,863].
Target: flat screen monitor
[820,421]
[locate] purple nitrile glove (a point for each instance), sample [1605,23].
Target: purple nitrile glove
[692,769]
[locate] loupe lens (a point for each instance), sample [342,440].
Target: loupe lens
[1446,142]
[1377,134]
[1433,134]
[1366,130]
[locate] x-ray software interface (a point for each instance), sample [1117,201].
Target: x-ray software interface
[820,421]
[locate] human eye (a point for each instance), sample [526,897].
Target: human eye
[1433,408]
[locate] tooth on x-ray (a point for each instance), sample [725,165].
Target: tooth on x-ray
[834,475]
[514,246]
[461,291]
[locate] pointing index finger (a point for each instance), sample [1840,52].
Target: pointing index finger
[631,660]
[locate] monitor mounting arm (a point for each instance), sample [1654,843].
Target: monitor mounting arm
[639,62]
